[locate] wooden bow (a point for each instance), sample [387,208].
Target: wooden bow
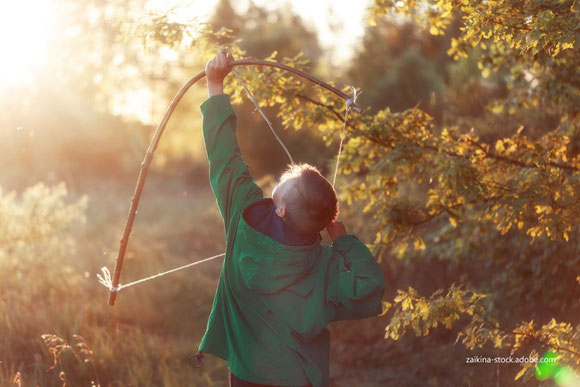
[155,141]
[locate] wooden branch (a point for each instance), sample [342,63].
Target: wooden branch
[515,333]
[490,154]
[519,163]
[155,141]
[330,108]
[497,327]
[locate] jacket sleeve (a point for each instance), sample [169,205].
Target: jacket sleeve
[229,175]
[355,283]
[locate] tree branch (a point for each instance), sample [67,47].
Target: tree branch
[519,163]
[339,116]
[534,338]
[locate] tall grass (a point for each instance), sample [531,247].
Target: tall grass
[53,312]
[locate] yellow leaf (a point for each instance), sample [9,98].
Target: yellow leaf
[543,209]
[386,306]
[407,304]
[400,249]
[453,221]
[419,244]
[522,371]
[423,307]
[499,146]
[272,55]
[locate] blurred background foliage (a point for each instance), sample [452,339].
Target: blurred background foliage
[462,173]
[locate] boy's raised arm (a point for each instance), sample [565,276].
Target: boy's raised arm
[355,282]
[229,175]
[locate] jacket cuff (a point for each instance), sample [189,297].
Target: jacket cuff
[216,104]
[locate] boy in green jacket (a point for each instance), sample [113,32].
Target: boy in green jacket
[279,286]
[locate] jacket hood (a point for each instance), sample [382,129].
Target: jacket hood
[269,266]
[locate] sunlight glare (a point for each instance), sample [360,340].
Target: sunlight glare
[24,39]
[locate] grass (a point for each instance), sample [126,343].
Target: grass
[147,338]
[48,287]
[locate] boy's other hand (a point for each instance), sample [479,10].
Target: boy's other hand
[336,229]
[215,71]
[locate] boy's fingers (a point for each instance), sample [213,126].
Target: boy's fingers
[219,66]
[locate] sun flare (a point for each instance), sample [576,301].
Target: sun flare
[25,27]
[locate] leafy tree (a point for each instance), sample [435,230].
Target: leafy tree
[517,195]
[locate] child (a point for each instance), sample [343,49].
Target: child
[279,286]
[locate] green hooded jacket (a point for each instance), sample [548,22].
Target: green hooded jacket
[273,301]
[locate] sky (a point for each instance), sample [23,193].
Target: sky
[339,24]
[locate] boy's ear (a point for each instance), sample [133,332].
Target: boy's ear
[281,211]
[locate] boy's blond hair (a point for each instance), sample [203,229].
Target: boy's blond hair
[312,204]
